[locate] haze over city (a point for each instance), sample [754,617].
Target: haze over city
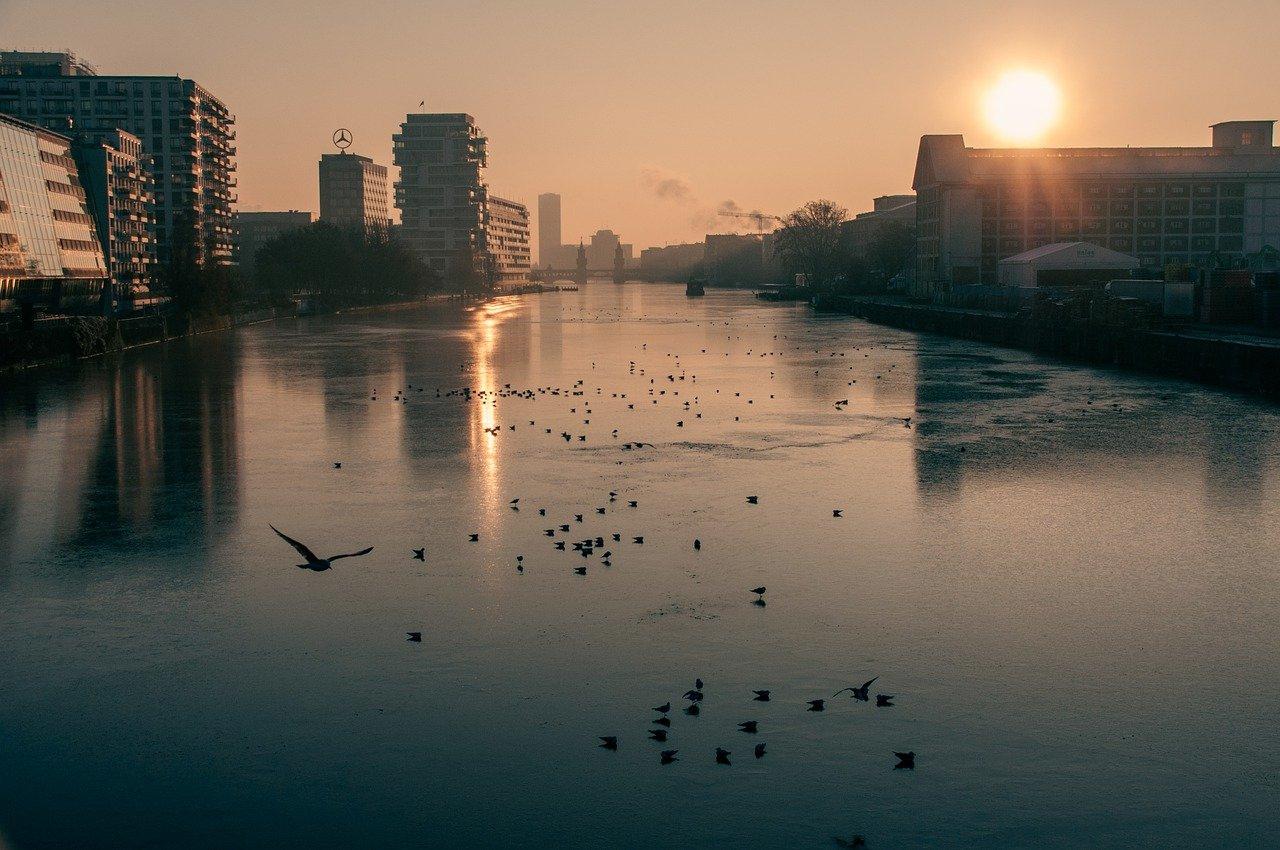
[647,117]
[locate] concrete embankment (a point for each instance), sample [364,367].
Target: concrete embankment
[1238,361]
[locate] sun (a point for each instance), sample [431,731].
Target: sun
[1022,105]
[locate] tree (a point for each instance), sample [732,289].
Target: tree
[809,242]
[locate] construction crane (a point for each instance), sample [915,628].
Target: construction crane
[756,216]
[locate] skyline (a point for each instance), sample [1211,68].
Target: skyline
[725,110]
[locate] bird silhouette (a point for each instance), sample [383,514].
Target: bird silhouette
[816,705]
[697,684]
[837,513]
[693,695]
[753,500]
[761,696]
[759,750]
[658,734]
[638,539]
[337,465]
[883,700]
[858,693]
[697,544]
[669,756]
[420,554]
[610,742]
[475,537]
[633,504]
[663,721]
[748,726]
[722,756]
[582,571]
[664,708]
[693,710]
[313,563]
[414,637]
[906,761]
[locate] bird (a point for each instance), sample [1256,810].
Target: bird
[663,721]
[337,465]
[759,750]
[693,710]
[638,539]
[697,684]
[761,696]
[697,544]
[514,502]
[313,563]
[753,500]
[617,538]
[664,708]
[610,742]
[582,571]
[475,537]
[560,545]
[658,734]
[837,513]
[414,637]
[669,756]
[759,592]
[816,705]
[858,693]
[883,700]
[747,726]
[722,756]
[906,761]
[633,504]
[542,511]
[420,554]
[856,841]
[693,695]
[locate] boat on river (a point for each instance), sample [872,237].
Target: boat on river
[695,286]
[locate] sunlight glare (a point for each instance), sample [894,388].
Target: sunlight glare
[1022,105]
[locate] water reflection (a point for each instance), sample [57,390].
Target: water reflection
[136,451]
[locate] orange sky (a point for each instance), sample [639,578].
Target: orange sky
[766,104]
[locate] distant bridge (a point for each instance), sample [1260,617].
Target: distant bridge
[575,275]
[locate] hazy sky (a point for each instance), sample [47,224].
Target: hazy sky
[767,104]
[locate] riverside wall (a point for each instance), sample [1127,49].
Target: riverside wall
[1235,361]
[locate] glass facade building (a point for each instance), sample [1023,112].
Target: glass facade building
[49,247]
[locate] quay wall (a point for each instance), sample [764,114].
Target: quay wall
[1234,362]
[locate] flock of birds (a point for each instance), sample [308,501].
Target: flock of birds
[696,694]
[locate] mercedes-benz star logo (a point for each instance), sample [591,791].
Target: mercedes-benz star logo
[342,138]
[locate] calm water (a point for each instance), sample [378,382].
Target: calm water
[1067,578]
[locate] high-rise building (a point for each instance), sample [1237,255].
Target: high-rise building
[186,131]
[353,193]
[447,215]
[49,247]
[1163,205]
[441,193]
[116,178]
[548,227]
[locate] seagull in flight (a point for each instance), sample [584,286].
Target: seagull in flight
[313,563]
[858,693]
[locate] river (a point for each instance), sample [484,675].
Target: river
[1066,579]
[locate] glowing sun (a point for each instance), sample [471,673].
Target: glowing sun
[1022,105]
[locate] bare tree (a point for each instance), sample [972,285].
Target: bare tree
[809,242]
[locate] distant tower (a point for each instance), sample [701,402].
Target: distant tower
[619,265]
[548,227]
[580,276]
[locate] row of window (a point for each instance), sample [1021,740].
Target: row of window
[1069,227]
[1095,191]
[1018,209]
[1007,247]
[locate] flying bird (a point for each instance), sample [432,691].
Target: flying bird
[313,563]
[858,693]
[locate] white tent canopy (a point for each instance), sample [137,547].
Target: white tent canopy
[1066,257]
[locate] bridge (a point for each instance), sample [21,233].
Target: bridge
[578,276]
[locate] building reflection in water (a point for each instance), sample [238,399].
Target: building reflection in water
[140,452]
